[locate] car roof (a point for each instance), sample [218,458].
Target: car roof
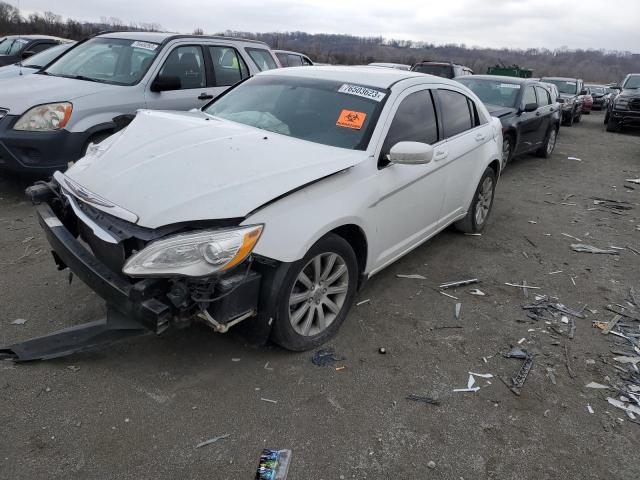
[37,37]
[502,78]
[161,37]
[439,62]
[559,78]
[360,75]
[289,51]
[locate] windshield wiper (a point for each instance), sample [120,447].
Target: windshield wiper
[82,77]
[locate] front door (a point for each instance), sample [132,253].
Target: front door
[530,122]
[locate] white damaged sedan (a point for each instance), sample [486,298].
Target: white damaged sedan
[274,203]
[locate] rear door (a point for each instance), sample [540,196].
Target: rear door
[409,197]
[465,152]
[545,108]
[530,122]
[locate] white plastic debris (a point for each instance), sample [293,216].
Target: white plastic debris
[363,302]
[596,385]
[623,359]
[589,409]
[474,389]
[621,405]
[633,180]
[268,400]
[564,319]
[413,276]
[521,341]
[475,291]
[19,321]
[458,308]
[481,375]
[574,158]
[522,286]
[471,381]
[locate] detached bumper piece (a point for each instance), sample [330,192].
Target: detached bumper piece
[132,309]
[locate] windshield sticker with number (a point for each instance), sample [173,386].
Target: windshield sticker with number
[509,85]
[145,45]
[351,119]
[365,92]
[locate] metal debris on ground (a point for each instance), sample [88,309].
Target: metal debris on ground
[477,292]
[447,295]
[633,180]
[571,236]
[522,286]
[268,400]
[596,385]
[517,382]
[613,206]
[583,248]
[325,357]
[481,375]
[363,302]
[458,309]
[413,276]
[212,440]
[422,398]
[574,158]
[273,465]
[589,409]
[459,283]
[19,321]
[515,353]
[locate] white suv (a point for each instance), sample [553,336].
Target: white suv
[276,201]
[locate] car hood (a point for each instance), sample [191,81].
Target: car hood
[10,71]
[630,93]
[19,94]
[171,167]
[498,111]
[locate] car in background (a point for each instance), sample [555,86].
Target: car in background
[587,103]
[36,62]
[553,89]
[441,69]
[599,93]
[624,109]
[292,59]
[530,118]
[397,66]
[189,214]
[571,92]
[52,117]
[20,47]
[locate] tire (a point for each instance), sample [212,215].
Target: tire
[588,112]
[613,126]
[579,117]
[606,117]
[475,222]
[508,144]
[307,285]
[569,121]
[546,150]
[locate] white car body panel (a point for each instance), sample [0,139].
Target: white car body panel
[280,182]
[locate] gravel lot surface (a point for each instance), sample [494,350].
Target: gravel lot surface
[137,409]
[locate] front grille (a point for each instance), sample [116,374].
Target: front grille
[634,104]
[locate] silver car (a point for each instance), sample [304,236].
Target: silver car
[50,118]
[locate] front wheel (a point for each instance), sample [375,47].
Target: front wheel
[579,117]
[606,117]
[316,295]
[507,149]
[478,213]
[546,150]
[613,126]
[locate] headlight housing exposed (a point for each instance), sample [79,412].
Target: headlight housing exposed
[194,254]
[45,118]
[621,103]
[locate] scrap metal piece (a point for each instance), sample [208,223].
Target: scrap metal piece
[623,311]
[516,353]
[567,362]
[611,324]
[422,398]
[212,440]
[517,382]
[572,328]
[564,309]
[621,405]
[459,283]
[413,276]
[477,292]
[583,248]
[522,286]
[474,389]
[458,308]
[596,385]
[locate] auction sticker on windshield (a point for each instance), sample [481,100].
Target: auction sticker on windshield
[145,45]
[351,119]
[362,92]
[509,85]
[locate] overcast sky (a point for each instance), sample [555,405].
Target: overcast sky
[607,24]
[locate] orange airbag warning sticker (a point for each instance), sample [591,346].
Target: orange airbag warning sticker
[351,119]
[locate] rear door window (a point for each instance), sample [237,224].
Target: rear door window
[41,47]
[543,97]
[262,58]
[186,63]
[282,57]
[414,121]
[294,60]
[458,112]
[228,66]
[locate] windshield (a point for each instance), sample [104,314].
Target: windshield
[41,59]
[597,90]
[320,111]
[564,86]
[262,58]
[493,92]
[632,82]
[445,71]
[106,60]
[12,46]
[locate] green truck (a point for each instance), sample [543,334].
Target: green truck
[512,71]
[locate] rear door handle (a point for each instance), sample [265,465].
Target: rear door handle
[480,137]
[440,155]
[205,96]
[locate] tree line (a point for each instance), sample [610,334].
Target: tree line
[592,65]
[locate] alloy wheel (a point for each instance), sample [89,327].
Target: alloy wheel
[506,150]
[551,143]
[483,202]
[318,294]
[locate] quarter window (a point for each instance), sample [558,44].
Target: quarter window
[458,113]
[543,97]
[414,121]
[187,64]
[262,58]
[529,96]
[228,66]
[294,60]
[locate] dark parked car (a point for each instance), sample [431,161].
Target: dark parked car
[624,109]
[530,119]
[600,96]
[442,69]
[19,47]
[571,92]
[292,59]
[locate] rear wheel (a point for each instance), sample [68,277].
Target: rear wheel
[478,213]
[579,117]
[606,117]
[316,295]
[546,150]
[569,121]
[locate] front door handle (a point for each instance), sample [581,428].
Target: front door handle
[205,96]
[480,137]
[440,155]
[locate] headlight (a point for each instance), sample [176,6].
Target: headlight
[43,118]
[621,103]
[194,254]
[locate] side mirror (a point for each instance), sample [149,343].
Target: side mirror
[411,153]
[583,92]
[165,84]
[530,107]
[26,54]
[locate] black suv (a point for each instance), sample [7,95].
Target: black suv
[571,93]
[529,115]
[441,69]
[624,108]
[20,47]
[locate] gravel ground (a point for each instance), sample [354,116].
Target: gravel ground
[138,408]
